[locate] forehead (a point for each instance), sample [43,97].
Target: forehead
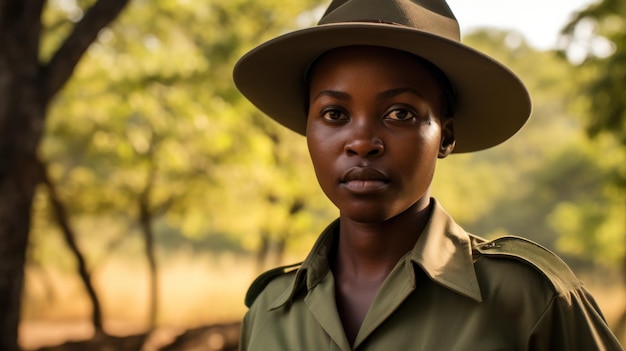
[360,51]
[391,64]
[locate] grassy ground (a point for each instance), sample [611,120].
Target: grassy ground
[194,291]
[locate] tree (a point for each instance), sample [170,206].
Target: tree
[598,34]
[27,86]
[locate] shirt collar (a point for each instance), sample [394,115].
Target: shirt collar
[314,267]
[443,251]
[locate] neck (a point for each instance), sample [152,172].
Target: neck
[369,251]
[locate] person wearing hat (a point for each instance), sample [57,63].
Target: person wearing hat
[382,89]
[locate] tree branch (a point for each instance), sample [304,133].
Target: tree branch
[60,68]
[62,219]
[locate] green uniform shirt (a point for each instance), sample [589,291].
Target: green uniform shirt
[452,291]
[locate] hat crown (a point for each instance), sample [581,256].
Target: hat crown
[432,16]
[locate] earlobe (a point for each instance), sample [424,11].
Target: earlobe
[447,138]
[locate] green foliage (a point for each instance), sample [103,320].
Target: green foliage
[605,51]
[589,214]
[598,33]
[152,108]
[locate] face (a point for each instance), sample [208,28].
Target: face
[374,131]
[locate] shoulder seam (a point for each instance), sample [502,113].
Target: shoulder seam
[538,257]
[259,284]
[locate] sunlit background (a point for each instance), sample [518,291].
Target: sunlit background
[178,192]
[538,21]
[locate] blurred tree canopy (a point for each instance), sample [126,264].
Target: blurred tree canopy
[598,36]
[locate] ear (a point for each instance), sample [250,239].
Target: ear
[447,138]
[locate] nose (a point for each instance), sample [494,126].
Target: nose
[364,141]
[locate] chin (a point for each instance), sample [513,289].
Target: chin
[377,211]
[368,215]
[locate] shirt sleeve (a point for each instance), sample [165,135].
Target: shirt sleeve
[572,321]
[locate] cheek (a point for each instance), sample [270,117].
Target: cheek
[322,165]
[320,157]
[318,153]
[426,142]
[324,150]
[421,158]
[431,139]
[321,140]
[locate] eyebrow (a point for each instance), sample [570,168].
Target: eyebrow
[334,94]
[380,96]
[395,92]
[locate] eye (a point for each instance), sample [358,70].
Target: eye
[400,114]
[333,114]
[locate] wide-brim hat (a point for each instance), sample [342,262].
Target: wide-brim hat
[492,103]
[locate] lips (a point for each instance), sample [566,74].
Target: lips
[364,180]
[363,173]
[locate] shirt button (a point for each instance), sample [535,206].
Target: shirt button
[490,245]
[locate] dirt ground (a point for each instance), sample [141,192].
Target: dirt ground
[79,336]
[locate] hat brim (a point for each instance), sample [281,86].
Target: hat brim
[492,103]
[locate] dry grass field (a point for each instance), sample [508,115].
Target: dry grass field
[194,292]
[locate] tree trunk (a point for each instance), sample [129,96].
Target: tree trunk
[70,239]
[22,108]
[145,219]
[26,87]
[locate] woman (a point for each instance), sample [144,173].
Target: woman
[382,89]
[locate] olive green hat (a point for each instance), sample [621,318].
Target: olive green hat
[492,103]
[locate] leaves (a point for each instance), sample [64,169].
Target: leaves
[155,98]
[600,33]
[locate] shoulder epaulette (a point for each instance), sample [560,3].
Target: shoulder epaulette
[259,284]
[540,258]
